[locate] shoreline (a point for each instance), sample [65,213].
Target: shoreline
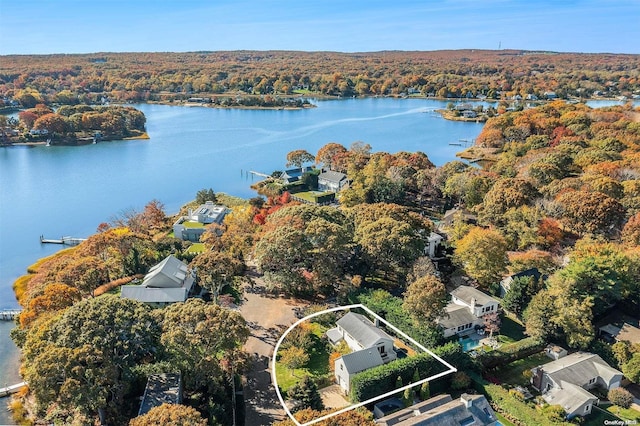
[143,136]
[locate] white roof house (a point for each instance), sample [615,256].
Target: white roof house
[331,181]
[371,347]
[466,310]
[169,281]
[348,365]
[192,226]
[566,381]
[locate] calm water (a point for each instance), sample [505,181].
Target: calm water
[59,191]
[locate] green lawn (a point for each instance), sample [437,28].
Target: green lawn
[191,224]
[624,413]
[317,367]
[598,417]
[512,372]
[503,421]
[311,196]
[196,248]
[510,330]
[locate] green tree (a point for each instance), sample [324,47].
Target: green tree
[425,298]
[216,269]
[204,195]
[306,394]
[520,293]
[170,415]
[631,368]
[460,380]
[294,357]
[193,347]
[483,255]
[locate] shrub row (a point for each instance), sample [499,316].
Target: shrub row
[376,381]
[509,353]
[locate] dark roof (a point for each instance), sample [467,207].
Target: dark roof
[442,410]
[533,272]
[456,315]
[361,329]
[161,389]
[364,359]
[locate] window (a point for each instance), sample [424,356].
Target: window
[587,409]
[341,367]
[592,381]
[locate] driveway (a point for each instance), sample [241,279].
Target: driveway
[333,397]
[268,317]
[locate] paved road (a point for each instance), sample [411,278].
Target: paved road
[268,318]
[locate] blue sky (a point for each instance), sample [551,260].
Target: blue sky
[83,26]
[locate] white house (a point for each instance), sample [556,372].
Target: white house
[433,242]
[351,364]
[192,226]
[167,282]
[331,181]
[566,381]
[466,310]
[371,346]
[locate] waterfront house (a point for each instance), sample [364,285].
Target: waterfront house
[567,381]
[466,311]
[167,282]
[443,410]
[192,226]
[293,175]
[161,389]
[371,346]
[469,114]
[331,181]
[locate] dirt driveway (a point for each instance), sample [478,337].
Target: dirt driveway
[268,317]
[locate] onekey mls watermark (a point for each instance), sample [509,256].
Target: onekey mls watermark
[620,422]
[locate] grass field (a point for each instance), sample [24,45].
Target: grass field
[513,373]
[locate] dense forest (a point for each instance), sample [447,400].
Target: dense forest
[500,74]
[559,191]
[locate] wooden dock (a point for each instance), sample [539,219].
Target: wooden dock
[6,391]
[9,314]
[69,241]
[266,176]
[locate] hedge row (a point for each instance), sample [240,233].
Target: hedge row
[378,380]
[516,411]
[511,352]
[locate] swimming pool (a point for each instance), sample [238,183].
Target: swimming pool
[469,344]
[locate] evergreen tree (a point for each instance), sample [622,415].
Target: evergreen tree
[306,394]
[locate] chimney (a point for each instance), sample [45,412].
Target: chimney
[376,322]
[466,400]
[473,305]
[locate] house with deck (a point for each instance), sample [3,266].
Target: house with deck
[192,226]
[466,311]
[371,346]
[567,381]
[169,281]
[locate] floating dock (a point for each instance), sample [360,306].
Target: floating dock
[6,391]
[69,241]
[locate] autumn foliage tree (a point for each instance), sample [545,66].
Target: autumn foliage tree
[482,253]
[170,415]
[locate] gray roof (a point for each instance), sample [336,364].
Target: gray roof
[627,332]
[442,410]
[161,389]
[456,315]
[170,273]
[578,368]
[154,295]
[332,176]
[569,396]
[466,293]
[361,329]
[334,335]
[361,360]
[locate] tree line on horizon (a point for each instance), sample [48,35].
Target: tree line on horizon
[83,78]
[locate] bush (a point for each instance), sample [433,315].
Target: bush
[620,397]
[382,379]
[460,380]
[512,352]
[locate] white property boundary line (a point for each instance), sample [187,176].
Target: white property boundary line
[451,368]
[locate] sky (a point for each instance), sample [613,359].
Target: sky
[87,26]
